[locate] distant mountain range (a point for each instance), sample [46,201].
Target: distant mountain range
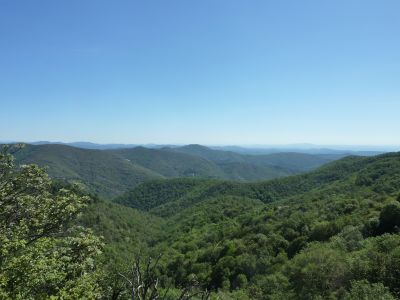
[87,145]
[342,216]
[367,151]
[254,150]
[111,172]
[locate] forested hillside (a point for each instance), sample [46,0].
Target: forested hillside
[112,172]
[157,195]
[332,233]
[328,234]
[170,164]
[289,161]
[202,162]
[96,170]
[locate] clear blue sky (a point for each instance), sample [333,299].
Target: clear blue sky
[210,72]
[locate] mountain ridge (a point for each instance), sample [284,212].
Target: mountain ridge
[111,172]
[248,240]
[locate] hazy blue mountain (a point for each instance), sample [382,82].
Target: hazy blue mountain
[170,164]
[175,162]
[253,150]
[87,145]
[351,150]
[291,162]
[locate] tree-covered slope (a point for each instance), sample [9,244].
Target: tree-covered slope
[332,233]
[124,230]
[112,172]
[208,153]
[158,192]
[164,199]
[330,239]
[99,171]
[295,162]
[175,162]
[170,164]
[287,162]
[203,162]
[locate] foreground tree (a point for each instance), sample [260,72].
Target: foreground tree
[41,254]
[144,284]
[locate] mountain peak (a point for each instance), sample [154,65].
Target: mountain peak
[195,147]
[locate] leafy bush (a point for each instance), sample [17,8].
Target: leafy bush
[389,218]
[366,291]
[41,253]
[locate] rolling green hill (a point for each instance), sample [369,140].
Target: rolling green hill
[333,218]
[110,173]
[125,230]
[147,195]
[326,234]
[288,161]
[203,162]
[155,193]
[170,164]
[98,171]
[332,233]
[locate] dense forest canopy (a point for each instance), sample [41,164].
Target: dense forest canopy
[332,233]
[109,173]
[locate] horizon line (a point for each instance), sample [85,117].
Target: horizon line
[302,145]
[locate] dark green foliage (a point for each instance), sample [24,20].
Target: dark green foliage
[389,218]
[371,227]
[155,193]
[319,271]
[323,231]
[300,237]
[378,260]
[124,230]
[296,245]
